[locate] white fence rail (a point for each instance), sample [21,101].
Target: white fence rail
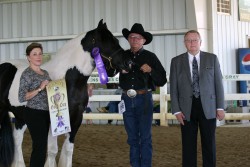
[164,97]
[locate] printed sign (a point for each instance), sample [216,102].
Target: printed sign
[97,79]
[121,107]
[244,65]
[58,107]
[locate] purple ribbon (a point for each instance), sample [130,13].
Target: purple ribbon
[60,121]
[100,66]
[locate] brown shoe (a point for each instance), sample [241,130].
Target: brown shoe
[102,109]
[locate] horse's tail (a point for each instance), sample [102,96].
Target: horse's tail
[7,74]
[6,139]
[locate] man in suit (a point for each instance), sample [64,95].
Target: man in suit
[197,99]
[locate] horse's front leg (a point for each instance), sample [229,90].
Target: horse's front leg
[18,138]
[66,156]
[52,151]
[66,153]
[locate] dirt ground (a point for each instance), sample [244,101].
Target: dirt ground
[105,146]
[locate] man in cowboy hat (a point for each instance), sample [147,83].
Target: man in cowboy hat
[138,84]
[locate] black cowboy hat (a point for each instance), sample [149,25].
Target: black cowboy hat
[138,29]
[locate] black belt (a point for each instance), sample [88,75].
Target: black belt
[132,93]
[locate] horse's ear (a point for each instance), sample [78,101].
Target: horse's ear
[101,24]
[105,26]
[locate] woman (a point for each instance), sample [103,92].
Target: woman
[33,82]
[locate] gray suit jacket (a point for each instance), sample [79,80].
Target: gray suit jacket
[210,82]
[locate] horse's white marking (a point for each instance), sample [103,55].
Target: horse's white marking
[66,156]
[69,56]
[18,138]
[21,65]
[52,151]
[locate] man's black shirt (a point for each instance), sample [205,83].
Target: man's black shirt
[137,79]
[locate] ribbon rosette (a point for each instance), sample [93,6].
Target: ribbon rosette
[100,66]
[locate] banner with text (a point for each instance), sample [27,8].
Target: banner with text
[58,107]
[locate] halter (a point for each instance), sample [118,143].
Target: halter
[110,57]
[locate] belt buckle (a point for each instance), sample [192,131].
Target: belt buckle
[131,93]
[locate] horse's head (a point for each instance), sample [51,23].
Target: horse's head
[111,52]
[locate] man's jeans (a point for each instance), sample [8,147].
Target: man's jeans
[138,121]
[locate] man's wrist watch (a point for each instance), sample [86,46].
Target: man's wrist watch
[39,89]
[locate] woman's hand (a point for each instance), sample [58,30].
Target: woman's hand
[44,84]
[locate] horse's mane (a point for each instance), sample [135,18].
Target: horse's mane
[69,56]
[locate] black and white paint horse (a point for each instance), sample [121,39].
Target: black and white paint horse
[72,62]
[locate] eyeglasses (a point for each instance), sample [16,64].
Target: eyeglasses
[135,37]
[192,40]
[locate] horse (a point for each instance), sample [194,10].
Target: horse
[74,63]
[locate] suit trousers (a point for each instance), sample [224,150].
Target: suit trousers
[189,133]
